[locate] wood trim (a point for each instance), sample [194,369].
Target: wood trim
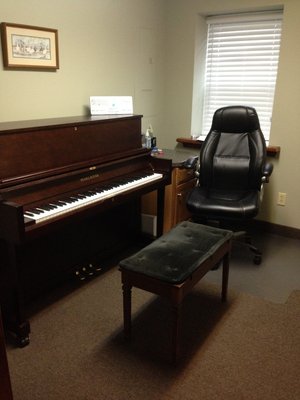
[186,142]
[272,151]
[276,229]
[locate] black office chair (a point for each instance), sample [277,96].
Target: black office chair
[232,171]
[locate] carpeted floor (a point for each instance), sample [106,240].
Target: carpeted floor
[246,349]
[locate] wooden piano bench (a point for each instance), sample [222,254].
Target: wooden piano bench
[172,265]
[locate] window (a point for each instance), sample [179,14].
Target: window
[241,64]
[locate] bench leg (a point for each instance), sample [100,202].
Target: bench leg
[225,274]
[176,319]
[127,310]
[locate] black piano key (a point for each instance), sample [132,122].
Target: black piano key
[30,214]
[67,200]
[91,193]
[58,203]
[54,205]
[62,203]
[51,207]
[36,211]
[45,208]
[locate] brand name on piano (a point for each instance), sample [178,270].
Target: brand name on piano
[88,178]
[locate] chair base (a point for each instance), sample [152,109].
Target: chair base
[243,236]
[239,235]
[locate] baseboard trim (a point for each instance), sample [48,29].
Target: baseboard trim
[276,229]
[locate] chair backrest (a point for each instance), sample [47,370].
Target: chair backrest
[234,151]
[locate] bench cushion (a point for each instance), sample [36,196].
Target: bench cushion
[175,255]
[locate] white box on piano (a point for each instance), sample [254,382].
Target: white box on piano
[101,105]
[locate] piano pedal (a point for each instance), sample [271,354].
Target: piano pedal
[80,276]
[96,268]
[88,271]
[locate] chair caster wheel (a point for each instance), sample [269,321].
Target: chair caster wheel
[23,341]
[257,259]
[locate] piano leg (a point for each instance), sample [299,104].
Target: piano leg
[17,324]
[160,210]
[20,332]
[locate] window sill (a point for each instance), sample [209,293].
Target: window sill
[272,151]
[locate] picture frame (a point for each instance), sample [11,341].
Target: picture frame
[29,47]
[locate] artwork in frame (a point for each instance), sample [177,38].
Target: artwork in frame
[29,47]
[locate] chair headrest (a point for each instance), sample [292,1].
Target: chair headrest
[235,119]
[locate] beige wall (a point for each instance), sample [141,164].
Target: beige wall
[106,47]
[182,21]
[145,48]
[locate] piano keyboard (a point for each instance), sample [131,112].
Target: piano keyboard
[85,198]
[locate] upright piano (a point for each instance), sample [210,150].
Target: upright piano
[70,192]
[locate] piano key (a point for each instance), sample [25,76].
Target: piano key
[54,205]
[30,214]
[36,211]
[71,203]
[46,207]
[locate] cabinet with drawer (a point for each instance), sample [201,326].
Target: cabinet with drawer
[175,211]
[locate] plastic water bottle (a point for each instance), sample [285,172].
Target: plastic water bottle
[148,140]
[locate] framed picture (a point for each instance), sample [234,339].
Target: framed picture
[29,47]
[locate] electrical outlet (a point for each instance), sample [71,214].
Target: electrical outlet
[281,200]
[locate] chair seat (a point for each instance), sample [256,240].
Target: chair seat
[223,204]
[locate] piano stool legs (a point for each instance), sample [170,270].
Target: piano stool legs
[145,270]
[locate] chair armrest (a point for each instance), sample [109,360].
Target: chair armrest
[267,171]
[191,162]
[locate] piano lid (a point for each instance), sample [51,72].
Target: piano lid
[41,148]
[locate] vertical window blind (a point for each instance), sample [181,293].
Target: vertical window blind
[241,64]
